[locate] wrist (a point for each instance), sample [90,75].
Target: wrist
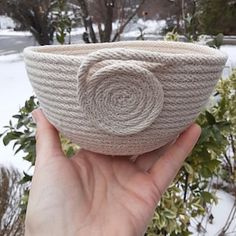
[119,230]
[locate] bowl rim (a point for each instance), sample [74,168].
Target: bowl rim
[196,52]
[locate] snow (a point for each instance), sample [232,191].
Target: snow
[11,32]
[6,22]
[77,31]
[149,27]
[11,58]
[231,63]
[15,89]
[220,213]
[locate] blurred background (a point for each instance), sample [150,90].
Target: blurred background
[202,200]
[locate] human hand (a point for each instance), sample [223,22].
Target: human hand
[94,194]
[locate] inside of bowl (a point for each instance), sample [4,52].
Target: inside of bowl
[152,46]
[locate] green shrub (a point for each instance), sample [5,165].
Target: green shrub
[217,16]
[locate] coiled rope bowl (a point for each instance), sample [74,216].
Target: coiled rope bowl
[124,98]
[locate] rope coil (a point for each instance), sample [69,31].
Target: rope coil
[124,98]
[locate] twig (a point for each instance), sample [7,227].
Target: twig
[229,163]
[229,220]
[122,27]
[186,186]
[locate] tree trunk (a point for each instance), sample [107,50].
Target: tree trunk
[88,23]
[108,22]
[34,17]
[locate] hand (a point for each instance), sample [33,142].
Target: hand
[94,194]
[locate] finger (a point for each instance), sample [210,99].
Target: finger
[165,169]
[48,143]
[146,161]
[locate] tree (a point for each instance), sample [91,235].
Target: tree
[34,16]
[105,12]
[182,17]
[64,17]
[87,20]
[217,16]
[11,222]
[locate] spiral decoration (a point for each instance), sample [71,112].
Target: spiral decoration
[121,99]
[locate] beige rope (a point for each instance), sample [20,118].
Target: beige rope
[123,98]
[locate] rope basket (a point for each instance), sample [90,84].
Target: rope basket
[124,98]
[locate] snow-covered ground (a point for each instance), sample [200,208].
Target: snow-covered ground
[11,32]
[6,22]
[220,212]
[231,63]
[148,27]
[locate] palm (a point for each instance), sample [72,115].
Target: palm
[118,190]
[93,194]
[98,189]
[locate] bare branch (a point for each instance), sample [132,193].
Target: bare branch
[122,27]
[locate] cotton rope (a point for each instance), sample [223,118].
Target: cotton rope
[123,98]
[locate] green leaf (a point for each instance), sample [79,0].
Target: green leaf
[199,207]
[18,149]
[188,168]
[206,172]
[26,178]
[11,136]
[156,216]
[208,197]
[161,222]
[17,116]
[213,164]
[70,152]
[169,214]
[204,135]
[19,125]
[210,118]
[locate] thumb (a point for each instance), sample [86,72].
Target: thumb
[48,143]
